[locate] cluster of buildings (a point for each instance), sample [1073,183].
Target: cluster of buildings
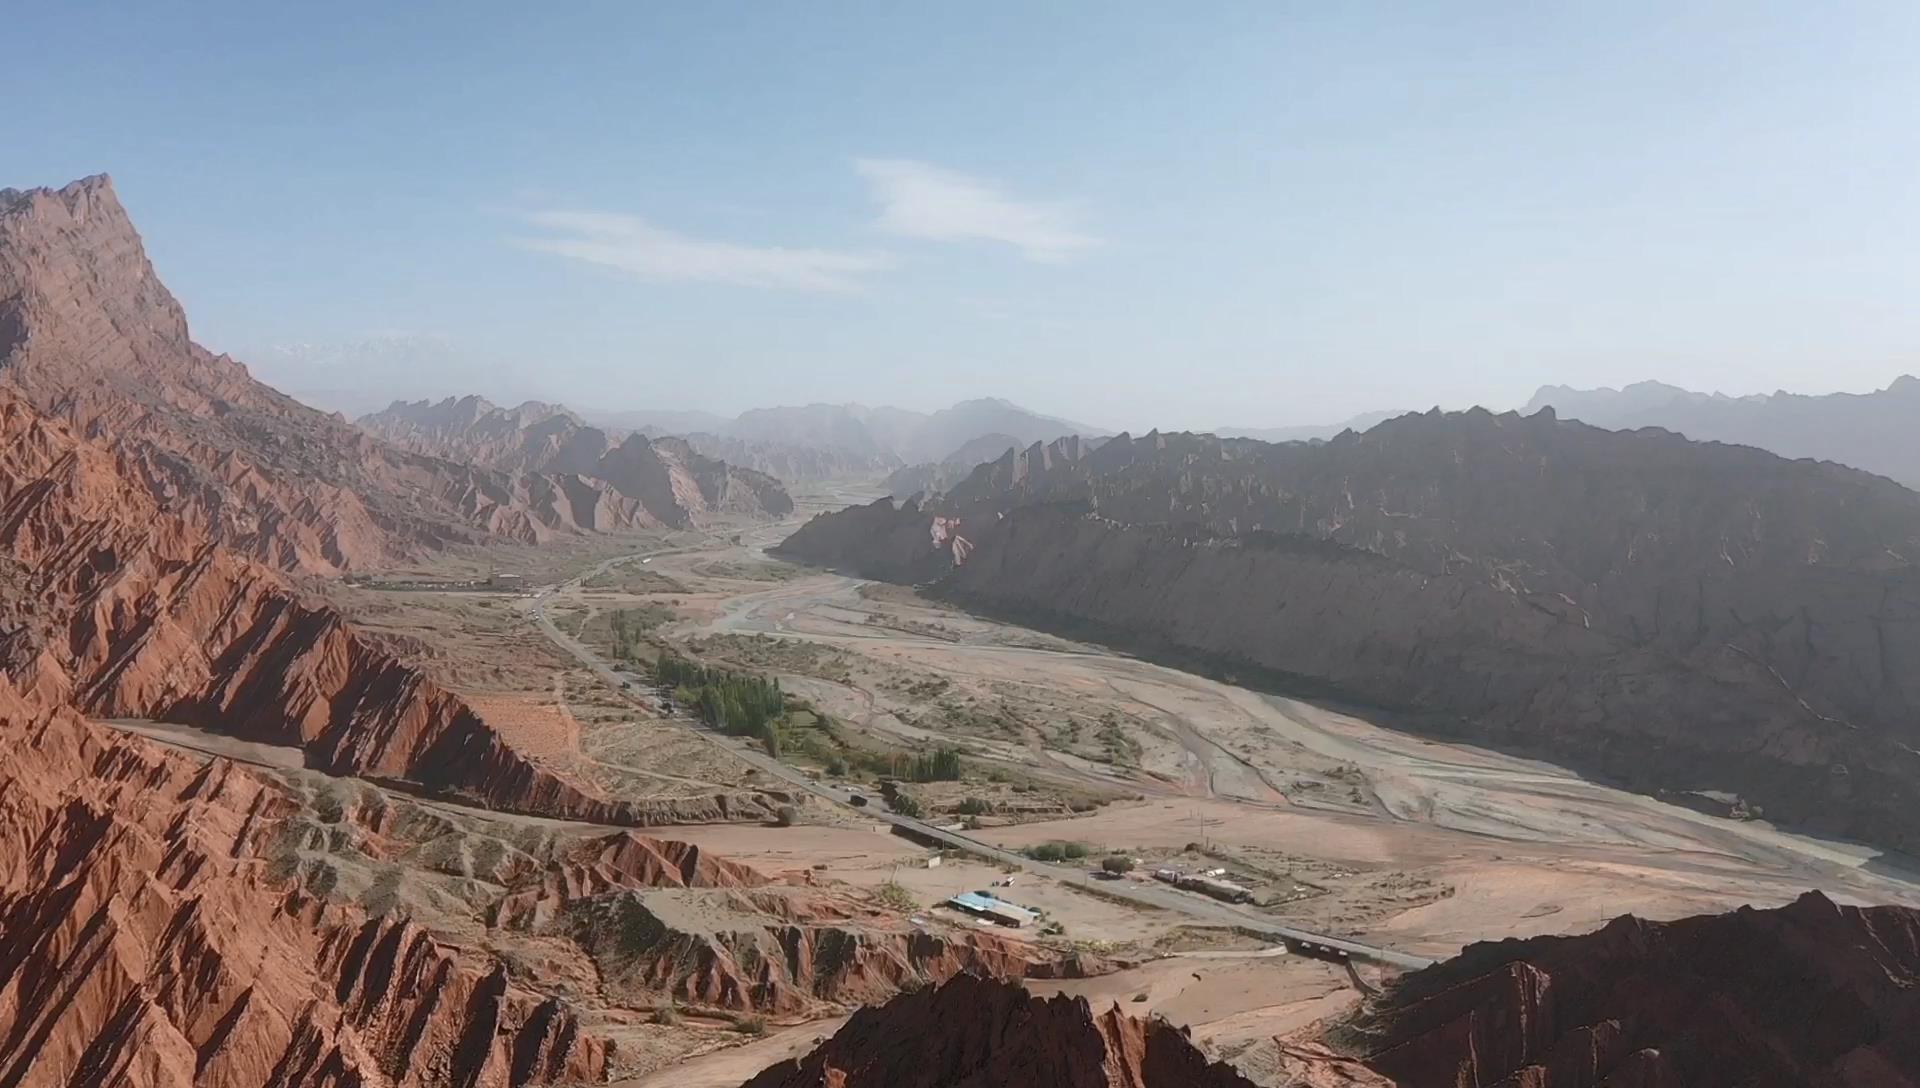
[1211,882]
[994,909]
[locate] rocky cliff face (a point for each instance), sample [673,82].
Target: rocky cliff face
[90,336]
[142,942]
[1677,614]
[974,1033]
[1809,994]
[668,478]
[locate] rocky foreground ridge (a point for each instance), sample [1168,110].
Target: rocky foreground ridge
[1676,615]
[668,477]
[170,920]
[1810,995]
[143,942]
[976,1033]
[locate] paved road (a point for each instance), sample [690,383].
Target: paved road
[1152,895]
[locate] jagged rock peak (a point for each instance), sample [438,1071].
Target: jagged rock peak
[984,1034]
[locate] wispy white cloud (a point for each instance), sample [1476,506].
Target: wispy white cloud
[634,245]
[918,200]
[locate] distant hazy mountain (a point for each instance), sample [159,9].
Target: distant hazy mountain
[951,469]
[671,480]
[833,426]
[821,441]
[1878,431]
[358,376]
[794,462]
[658,421]
[943,433]
[912,437]
[1316,432]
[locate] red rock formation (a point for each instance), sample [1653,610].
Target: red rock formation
[623,860]
[143,943]
[121,609]
[665,920]
[973,1033]
[1812,993]
[89,336]
[666,477]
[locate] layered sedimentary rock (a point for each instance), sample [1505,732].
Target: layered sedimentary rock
[151,494]
[89,335]
[783,948]
[668,478]
[143,943]
[1676,614]
[665,920]
[975,1033]
[650,921]
[1812,993]
[115,606]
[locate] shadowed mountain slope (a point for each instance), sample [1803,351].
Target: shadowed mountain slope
[1677,615]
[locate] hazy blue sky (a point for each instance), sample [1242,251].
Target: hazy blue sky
[1134,215]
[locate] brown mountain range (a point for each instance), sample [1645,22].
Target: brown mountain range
[1674,614]
[670,480]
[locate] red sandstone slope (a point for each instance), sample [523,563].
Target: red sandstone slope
[666,921]
[142,942]
[110,604]
[150,490]
[974,1033]
[1810,994]
[89,335]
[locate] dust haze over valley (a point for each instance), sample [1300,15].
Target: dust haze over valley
[1386,555]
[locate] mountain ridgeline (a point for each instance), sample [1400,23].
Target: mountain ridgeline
[1877,431]
[672,482]
[1671,614]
